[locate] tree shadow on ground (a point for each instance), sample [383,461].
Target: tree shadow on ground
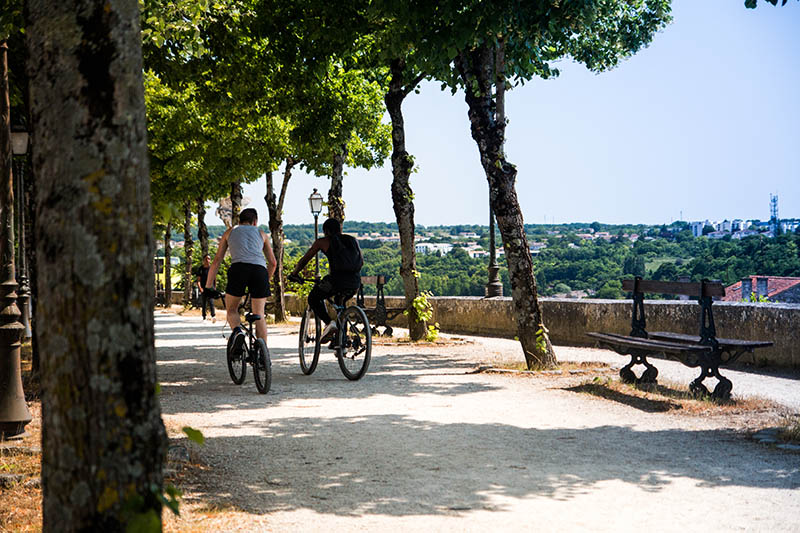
[201,372]
[400,466]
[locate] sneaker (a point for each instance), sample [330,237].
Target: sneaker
[329,332]
[238,340]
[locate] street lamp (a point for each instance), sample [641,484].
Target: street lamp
[494,287]
[315,203]
[14,414]
[19,146]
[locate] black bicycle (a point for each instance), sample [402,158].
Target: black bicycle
[352,344]
[253,350]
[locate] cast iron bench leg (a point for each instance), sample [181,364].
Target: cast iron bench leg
[709,365]
[648,376]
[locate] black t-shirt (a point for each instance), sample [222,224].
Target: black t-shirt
[202,273]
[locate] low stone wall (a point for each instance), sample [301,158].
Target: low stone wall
[569,319]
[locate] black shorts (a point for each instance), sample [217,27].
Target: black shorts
[247,275]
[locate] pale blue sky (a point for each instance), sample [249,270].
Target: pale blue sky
[706,121]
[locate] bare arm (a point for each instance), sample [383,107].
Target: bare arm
[272,263]
[211,280]
[319,245]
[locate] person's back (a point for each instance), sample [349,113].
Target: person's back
[246,244]
[345,261]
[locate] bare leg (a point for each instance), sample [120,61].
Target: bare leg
[258,309]
[232,309]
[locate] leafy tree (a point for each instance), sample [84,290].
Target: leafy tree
[103,439]
[530,36]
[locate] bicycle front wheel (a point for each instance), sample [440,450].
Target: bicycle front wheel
[262,367]
[355,343]
[310,332]
[235,355]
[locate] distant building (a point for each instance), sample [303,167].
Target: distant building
[469,235]
[425,248]
[775,288]
[789,226]
[744,233]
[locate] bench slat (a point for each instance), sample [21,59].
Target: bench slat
[712,288]
[734,343]
[647,344]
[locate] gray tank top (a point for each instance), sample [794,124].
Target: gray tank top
[246,245]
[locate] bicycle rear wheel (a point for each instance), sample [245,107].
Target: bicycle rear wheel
[262,367]
[237,368]
[355,343]
[310,332]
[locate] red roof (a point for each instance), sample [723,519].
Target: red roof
[775,286]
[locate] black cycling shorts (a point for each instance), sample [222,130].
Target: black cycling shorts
[247,275]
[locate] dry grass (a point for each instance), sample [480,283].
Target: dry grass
[563,366]
[669,396]
[21,504]
[790,429]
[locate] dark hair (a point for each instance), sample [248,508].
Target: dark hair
[332,227]
[248,216]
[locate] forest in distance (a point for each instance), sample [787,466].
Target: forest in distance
[568,264]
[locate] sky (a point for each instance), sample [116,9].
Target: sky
[702,124]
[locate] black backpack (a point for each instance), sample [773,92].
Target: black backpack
[344,255]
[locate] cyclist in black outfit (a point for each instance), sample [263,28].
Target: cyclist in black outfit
[345,261]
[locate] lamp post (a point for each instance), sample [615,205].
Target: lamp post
[14,414]
[315,203]
[19,146]
[494,287]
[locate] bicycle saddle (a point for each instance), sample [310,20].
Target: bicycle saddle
[250,317]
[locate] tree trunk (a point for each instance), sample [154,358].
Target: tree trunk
[275,206]
[168,266]
[335,200]
[476,70]
[102,437]
[236,202]
[188,247]
[402,195]
[202,229]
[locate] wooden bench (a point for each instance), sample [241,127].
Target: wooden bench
[704,350]
[380,314]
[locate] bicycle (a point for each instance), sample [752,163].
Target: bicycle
[254,351]
[353,342]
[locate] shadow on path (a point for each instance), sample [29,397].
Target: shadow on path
[353,465]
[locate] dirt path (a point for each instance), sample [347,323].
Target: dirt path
[420,444]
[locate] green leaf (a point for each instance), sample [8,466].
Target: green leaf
[147,522]
[194,435]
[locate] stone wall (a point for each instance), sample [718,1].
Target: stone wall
[569,319]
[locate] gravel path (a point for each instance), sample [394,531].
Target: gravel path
[420,444]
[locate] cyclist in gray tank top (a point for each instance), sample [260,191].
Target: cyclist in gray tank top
[252,266]
[246,244]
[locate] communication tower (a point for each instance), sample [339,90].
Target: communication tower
[773,213]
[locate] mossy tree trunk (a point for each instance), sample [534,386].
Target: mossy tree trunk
[202,229]
[335,199]
[236,202]
[476,68]
[275,207]
[188,248]
[103,439]
[402,195]
[168,265]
